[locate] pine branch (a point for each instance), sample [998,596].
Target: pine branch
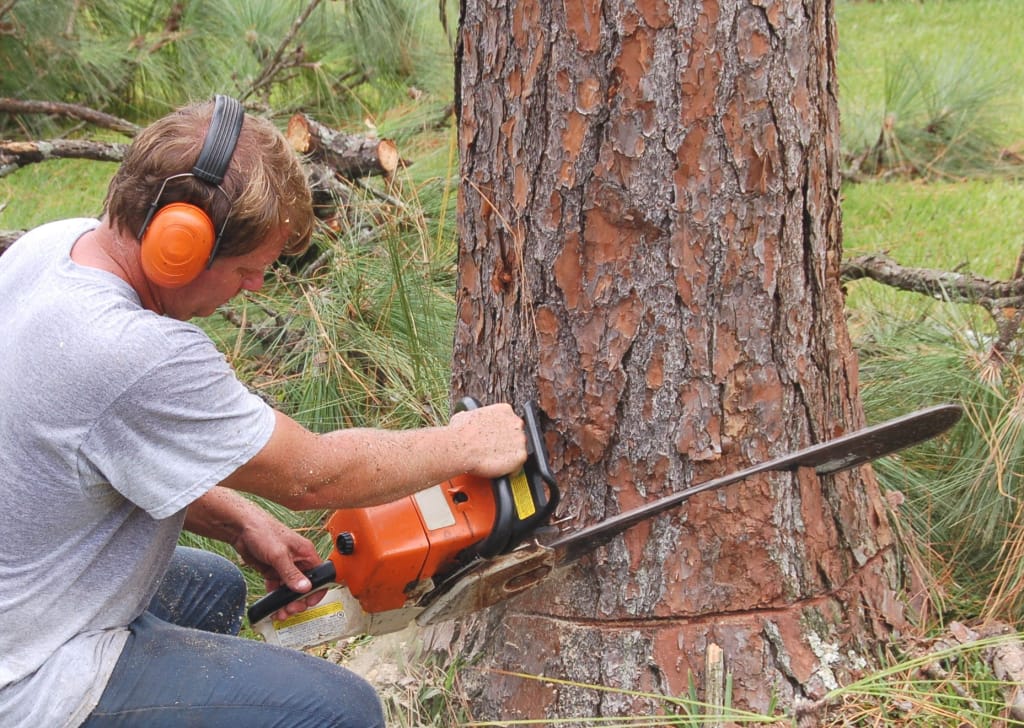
[946,285]
[1003,300]
[15,155]
[74,111]
[277,61]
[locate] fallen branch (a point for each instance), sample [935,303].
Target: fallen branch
[944,285]
[331,158]
[349,155]
[73,111]
[1003,300]
[15,155]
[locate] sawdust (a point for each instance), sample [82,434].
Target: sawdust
[386,661]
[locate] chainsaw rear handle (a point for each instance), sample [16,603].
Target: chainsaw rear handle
[504,508]
[543,489]
[320,576]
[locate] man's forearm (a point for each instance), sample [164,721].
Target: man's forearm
[221,513]
[358,467]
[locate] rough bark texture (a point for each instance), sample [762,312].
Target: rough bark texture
[650,247]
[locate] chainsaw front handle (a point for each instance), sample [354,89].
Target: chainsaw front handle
[523,501]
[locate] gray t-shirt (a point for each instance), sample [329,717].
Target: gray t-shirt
[112,420]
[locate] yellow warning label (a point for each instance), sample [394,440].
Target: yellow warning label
[320,610]
[525,507]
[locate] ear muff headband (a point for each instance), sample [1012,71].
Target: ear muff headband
[219,145]
[176,249]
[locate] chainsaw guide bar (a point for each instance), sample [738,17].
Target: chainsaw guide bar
[484,584]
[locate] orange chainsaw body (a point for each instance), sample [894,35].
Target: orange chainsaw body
[392,556]
[394,547]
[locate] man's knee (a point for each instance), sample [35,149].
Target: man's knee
[346,700]
[201,590]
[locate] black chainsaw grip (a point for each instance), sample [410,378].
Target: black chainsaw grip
[543,487]
[504,507]
[319,576]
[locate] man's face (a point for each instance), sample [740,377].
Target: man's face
[225,279]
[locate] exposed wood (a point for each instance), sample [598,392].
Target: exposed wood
[351,156]
[714,684]
[15,155]
[72,111]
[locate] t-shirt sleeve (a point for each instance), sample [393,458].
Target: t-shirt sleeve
[182,426]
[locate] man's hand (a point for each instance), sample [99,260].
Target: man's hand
[494,439]
[359,466]
[281,555]
[278,553]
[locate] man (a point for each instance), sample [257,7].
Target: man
[120,423]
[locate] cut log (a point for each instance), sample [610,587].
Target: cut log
[349,155]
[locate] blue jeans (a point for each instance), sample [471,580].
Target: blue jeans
[183,666]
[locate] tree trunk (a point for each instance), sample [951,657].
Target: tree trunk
[650,247]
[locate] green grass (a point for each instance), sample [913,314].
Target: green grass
[961,490]
[976,226]
[975,223]
[874,37]
[52,191]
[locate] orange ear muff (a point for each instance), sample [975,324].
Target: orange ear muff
[177,245]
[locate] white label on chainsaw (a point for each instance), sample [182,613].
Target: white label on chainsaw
[337,615]
[434,508]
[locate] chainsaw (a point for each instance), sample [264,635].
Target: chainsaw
[469,543]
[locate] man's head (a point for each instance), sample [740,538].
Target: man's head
[264,192]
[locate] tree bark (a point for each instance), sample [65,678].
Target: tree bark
[650,247]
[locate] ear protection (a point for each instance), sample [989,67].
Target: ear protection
[179,240]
